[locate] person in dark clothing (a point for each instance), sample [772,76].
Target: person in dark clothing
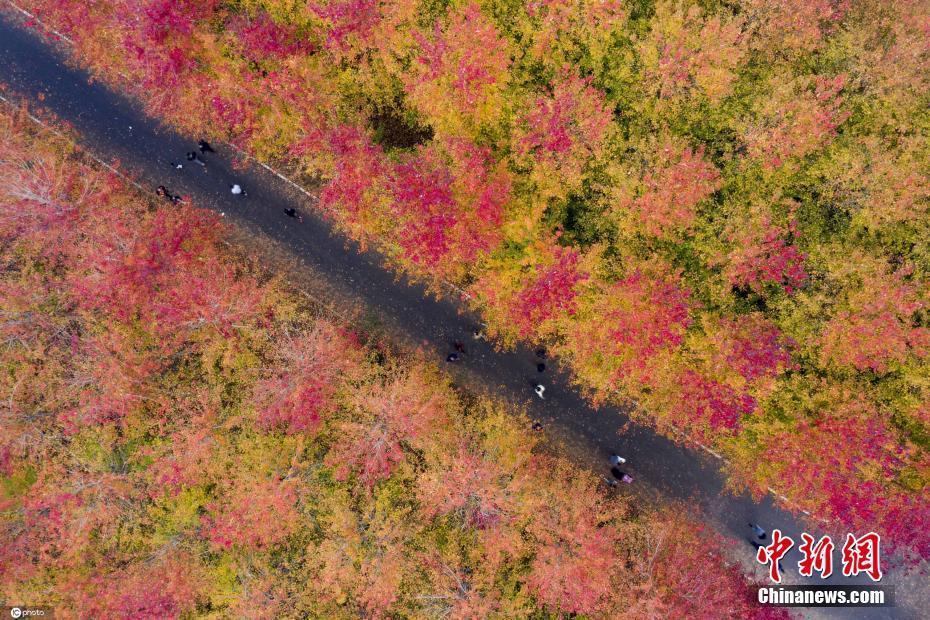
[192,156]
[294,214]
[459,346]
[452,357]
[537,425]
[541,353]
[758,531]
[177,165]
[621,476]
[164,193]
[205,147]
[540,367]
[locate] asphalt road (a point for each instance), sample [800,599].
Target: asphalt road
[115,128]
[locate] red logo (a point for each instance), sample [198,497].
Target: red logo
[861,555]
[817,557]
[771,554]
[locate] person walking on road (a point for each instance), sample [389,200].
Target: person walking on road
[192,156]
[539,389]
[540,367]
[236,190]
[205,147]
[452,357]
[294,214]
[758,530]
[177,165]
[616,459]
[164,193]
[621,476]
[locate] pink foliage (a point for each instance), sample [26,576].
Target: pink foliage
[54,525]
[703,52]
[550,293]
[262,38]
[670,194]
[633,321]
[349,19]
[167,276]
[7,460]
[233,114]
[765,254]
[574,575]
[795,24]
[45,513]
[422,189]
[164,588]
[654,315]
[163,69]
[297,409]
[183,465]
[468,54]
[674,67]
[239,520]
[701,403]
[111,381]
[476,493]
[165,18]
[126,274]
[300,389]
[398,412]
[877,328]
[571,122]
[844,465]
[801,124]
[575,557]
[359,165]
[754,347]
[484,189]
[448,210]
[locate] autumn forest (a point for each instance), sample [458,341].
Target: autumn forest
[714,212]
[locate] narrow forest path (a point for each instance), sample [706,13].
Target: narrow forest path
[115,129]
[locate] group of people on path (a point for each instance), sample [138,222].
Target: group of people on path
[616,461]
[458,350]
[617,476]
[458,347]
[193,157]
